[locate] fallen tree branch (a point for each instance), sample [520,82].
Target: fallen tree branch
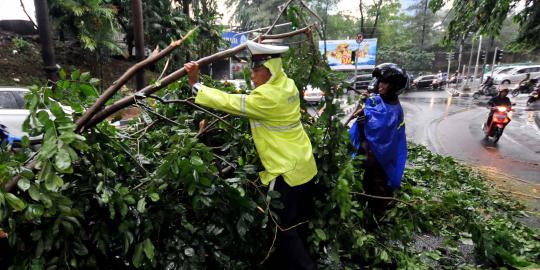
[380,197]
[150,89]
[88,114]
[185,101]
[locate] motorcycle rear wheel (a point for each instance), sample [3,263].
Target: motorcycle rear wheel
[476,95]
[515,92]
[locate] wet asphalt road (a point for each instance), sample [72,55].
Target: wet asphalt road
[452,126]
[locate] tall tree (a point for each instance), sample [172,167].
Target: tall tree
[488,17]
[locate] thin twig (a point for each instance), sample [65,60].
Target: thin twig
[146,108]
[27,15]
[164,68]
[278,17]
[207,128]
[380,197]
[185,101]
[271,246]
[224,160]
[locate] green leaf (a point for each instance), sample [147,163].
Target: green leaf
[80,249]
[154,197]
[75,75]
[53,182]
[148,249]
[137,255]
[62,74]
[48,149]
[62,160]
[94,81]
[23,184]
[189,252]
[34,193]
[56,110]
[141,205]
[320,233]
[85,76]
[15,202]
[196,161]
[88,90]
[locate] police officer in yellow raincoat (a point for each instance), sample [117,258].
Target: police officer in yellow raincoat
[273,109]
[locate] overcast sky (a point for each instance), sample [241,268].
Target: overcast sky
[11,9]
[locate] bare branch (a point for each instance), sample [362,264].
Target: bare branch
[278,17]
[27,15]
[125,77]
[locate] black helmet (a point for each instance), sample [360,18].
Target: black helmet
[392,74]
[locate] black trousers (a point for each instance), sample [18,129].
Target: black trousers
[375,183]
[291,250]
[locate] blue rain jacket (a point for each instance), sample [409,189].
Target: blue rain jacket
[385,134]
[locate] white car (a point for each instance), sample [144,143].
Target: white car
[496,71]
[313,95]
[516,74]
[12,111]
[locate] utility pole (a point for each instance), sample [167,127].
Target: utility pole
[449,57]
[460,53]
[45,39]
[138,31]
[470,58]
[478,57]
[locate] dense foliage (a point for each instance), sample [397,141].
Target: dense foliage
[178,189]
[488,17]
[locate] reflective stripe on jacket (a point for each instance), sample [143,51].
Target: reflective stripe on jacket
[273,110]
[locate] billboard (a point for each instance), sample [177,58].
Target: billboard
[339,53]
[235,38]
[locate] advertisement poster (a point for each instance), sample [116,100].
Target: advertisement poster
[339,53]
[234,38]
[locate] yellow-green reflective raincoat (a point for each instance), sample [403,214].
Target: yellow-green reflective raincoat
[273,110]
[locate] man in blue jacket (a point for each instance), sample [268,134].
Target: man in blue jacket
[379,134]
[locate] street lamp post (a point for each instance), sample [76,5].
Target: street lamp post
[359,40]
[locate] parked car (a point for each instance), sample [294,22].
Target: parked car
[423,81]
[497,70]
[12,111]
[516,74]
[362,82]
[313,95]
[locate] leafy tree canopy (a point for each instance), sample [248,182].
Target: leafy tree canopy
[488,16]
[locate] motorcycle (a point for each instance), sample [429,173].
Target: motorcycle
[524,87]
[437,83]
[499,120]
[533,96]
[487,91]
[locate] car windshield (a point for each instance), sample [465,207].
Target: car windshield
[9,101]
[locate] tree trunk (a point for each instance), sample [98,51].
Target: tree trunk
[376,19]
[185,7]
[138,32]
[424,16]
[45,38]
[361,6]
